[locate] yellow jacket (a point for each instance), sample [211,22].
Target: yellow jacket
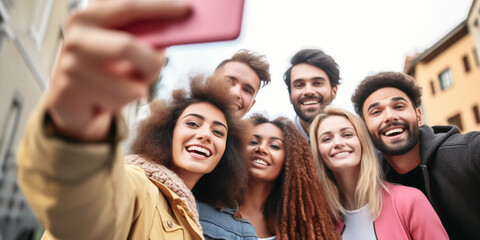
[86,191]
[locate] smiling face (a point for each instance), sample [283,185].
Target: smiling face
[338,144]
[310,90]
[392,121]
[245,85]
[267,152]
[199,140]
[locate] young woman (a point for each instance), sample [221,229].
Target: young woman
[86,191]
[365,206]
[282,201]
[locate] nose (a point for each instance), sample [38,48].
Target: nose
[390,115]
[204,135]
[261,148]
[338,142]
[308,90]
[236,90]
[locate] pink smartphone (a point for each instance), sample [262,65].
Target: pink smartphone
[209,21]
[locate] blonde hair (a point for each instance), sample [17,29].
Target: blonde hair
[370,180]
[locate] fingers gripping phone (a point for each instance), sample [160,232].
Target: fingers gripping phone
[209,21]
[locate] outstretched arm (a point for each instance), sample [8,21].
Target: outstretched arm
[74,180]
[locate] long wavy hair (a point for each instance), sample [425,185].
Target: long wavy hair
[370,183]
[296,207]
[228,181]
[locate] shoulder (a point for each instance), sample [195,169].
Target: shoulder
[220,224]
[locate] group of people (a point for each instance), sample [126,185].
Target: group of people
[199,169]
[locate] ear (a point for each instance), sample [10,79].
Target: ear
[418,112]
[334,92]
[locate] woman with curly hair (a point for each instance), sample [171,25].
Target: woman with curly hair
[363,205]
[282,201]
[84,190]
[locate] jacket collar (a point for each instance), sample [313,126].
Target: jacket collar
[432,137]
[167,177]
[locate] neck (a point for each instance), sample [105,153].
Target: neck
[406,162]
[305,125]
[256,197]
[347,182]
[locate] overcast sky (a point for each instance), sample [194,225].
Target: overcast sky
[364,37]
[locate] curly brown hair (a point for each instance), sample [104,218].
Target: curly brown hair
[296,207]
[153,141]
[398,80]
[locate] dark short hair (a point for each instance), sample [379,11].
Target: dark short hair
[316,58]
[254,60]
[153,141]
[398,80]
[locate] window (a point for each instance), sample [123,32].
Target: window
[432,88]
[457,121]
[40,16]
[445,79]
[466,64]
[8,131]
[475,55]
[476,114]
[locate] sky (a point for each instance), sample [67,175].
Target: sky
[364,37]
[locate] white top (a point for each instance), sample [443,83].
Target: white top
[268,238]
[358,225]
[298,125]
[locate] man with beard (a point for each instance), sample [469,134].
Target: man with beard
[440,161]
[312,82]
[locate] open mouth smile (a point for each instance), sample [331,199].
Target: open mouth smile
[199,150]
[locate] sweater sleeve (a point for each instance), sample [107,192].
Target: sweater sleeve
[418,215]
[77,191]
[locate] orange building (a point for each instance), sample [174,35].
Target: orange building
[449,73]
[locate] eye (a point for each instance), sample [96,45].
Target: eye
[275,147]
[218,133]
[325,139]
[400,106]
[192,124]
[253,142]
[375,112]
[248,91]
[348,135]
[318,83]
[298,84]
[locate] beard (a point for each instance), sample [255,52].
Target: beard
[398,148]
[309,116]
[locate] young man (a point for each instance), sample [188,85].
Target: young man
[312,82]
[247,71]
[438,160]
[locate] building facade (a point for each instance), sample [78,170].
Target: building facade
[30,36]
[449,73]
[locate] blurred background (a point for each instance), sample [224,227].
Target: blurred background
[435,41]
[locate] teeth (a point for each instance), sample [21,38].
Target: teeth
[392,131]
[310,102]
[200,149]
[342,154]
[261,162]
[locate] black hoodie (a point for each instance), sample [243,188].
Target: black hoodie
[450,169]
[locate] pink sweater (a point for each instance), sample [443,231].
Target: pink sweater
[406,214]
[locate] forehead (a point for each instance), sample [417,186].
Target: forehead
[307,71]
[241,72]
[207,110]
[384,96]
[268,130]
[333,124]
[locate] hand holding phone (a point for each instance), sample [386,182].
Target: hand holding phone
[209,21]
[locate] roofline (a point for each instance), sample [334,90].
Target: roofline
[452,37]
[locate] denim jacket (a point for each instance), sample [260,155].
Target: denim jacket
[220,224]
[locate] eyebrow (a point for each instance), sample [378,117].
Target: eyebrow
[341,129]
[394,99]
[203,118]
[274,138]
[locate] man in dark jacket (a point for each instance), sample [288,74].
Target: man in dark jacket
[438,160]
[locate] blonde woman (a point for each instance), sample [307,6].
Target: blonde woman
[362,204]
